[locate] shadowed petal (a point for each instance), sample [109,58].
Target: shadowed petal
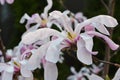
[50,71]
[34,61]
[101,28]
[82,54]
[88,43]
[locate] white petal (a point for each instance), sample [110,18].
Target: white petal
[39,34]
[82,54]
[117,75]
[63,19]
[106,20]
[34,61]
[7,75]
[9,1]
[25,16]
[47,8]
[25,72]
[53,51]
[101,19]
[88,42]
[50,71]
[3,66]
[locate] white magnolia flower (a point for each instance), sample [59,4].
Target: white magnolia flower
[40,20]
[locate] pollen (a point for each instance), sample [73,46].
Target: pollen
[71,36]
[17,64]
[44,21]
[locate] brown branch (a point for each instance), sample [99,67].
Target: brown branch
[2,48]
[110,10]
[115,52]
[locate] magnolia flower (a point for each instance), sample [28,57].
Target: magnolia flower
[84,41]
[40,20]
[14,66]
[68,36]
[82,74]
[2,2]
[41,56]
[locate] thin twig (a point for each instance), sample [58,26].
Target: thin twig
[105,5]
[2,48]
[106,62]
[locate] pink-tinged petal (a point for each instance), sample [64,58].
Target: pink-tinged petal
[53,52]
[50,71]
[39,34]
[25,72]
[101,28]
[111,44]
[7,75]
[95,77]
[79,16]
[9,1]
[117,75]
[82,54]
[47,8]
[88,42]
[63,19]
[89,28]
[2,2]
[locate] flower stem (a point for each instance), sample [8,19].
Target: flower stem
[110,10]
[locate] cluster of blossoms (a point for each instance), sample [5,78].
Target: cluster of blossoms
[90,73]
[41,46]
[8,1]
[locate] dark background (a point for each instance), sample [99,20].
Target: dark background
[11,29]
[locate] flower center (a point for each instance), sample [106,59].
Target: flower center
[16,66]
[44,21]
[71,36]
